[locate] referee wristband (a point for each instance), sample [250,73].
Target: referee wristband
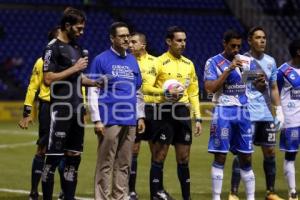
[198,120]
[26,111]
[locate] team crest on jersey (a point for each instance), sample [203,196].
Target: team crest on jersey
[60,134]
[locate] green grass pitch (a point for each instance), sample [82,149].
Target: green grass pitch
[17,150]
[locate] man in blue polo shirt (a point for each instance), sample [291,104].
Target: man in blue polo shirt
[114,112]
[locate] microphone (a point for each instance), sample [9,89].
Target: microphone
[85,53]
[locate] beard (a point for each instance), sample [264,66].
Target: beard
[71,34]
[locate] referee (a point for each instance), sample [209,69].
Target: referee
[173,124]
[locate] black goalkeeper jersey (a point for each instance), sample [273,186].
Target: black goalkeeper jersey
[58,57]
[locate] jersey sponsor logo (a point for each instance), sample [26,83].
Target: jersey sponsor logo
[60,134]
[236,89]
[122,71]
[47,59]
[295,94]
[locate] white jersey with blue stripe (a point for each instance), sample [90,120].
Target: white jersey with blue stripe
[288,80]
[233,92]
[259,104]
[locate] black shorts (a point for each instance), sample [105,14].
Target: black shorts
[65,134]
[150,110]
[44,122]
[264,133]
[172,124]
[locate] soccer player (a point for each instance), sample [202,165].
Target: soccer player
[114,112]
[137,46]
[173,124]
[63,66]
[230,128]
[36,84]
[259,106]
[289,83]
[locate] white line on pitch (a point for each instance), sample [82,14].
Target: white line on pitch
[8,146]
[16,132]
[27,192]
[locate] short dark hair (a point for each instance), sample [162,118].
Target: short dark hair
[173,29]
[231,34]
[294,47]
[142,36]
[115,25]
[254,29]
[53,33]
[72,16]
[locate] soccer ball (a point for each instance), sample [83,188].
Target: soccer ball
[171,85]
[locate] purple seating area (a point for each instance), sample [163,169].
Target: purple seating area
[195,4]
[25,37]
[280,6]
[43,2]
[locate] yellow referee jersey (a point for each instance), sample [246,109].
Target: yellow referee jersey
[181,69]
[147,68]
[37,83]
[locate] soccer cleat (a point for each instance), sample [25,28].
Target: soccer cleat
[133,196]
[233,197]
[33,196]
[61,196]
[162,195]
[293,196]
[272,196]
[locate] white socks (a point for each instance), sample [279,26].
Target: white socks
[217,180]
[289,173]
[249,182]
